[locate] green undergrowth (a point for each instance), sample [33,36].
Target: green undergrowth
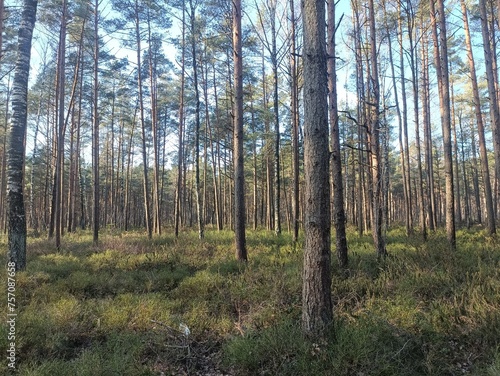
[121,308]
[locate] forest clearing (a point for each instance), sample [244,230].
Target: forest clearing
[116,309]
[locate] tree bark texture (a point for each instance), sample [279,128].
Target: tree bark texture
[239,173]
[317,315]
[17,134]
[337,181]
[441,62]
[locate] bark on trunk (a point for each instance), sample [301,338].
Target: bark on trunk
[441,63]
[239,173]
[337,183]
[16,137]
[317,315]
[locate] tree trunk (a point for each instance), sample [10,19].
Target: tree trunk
[407,210]
[441,63]
[16,137]
[374,141]
[431,201]
[337,182]
[147,206]
[277,178]
[154,126]
[59,168]
[317,315]
[95,133]
[2,17]
[412,34]
[295,125]
[239,172]
[406,149]
[456,171]
[199,206]
[180,156]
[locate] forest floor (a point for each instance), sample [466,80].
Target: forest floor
[167,306]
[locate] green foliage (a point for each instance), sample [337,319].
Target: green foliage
[116,309]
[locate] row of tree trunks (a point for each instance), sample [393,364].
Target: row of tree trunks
[422,194]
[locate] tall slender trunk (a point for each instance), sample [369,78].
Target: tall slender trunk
[154,126]
[95,134]
[295,124]
[2,16]
[254,162]
[407,210]
[180,156]
[59,168]
[199,206]
[456,171]
[77,154]
[374,140]
[431,200]
[336,159]
[147,206]
[239,172]
[467,211]
[406,168]
[412,34]
[216,161]
[475,177]
[74,125]
[441,64]
[360,119]
[277,178]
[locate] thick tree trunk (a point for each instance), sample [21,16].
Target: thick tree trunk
[317,315]
[16,137]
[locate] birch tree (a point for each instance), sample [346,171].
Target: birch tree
[17,134]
